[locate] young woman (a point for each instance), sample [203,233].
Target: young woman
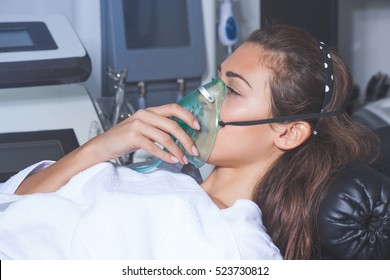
[284,132]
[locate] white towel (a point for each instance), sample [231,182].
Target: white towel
[108,212]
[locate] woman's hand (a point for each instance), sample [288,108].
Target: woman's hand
[141,130]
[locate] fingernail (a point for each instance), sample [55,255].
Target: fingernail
[195,151]
[197,125]
[174,159]
[185,160]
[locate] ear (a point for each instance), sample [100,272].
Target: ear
[292,135]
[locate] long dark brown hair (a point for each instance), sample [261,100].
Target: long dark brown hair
[292,188]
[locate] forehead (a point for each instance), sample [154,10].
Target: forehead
[252,55]
[247,54]
[250,61]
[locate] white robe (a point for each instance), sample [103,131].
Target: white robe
[112,212]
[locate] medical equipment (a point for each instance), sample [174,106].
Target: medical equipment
[377,87]
[44,112]
[180,89]
[374,114]
[205,104]
[40,50]
[119,100]
[159,41]
[113,110]
[227,26]
[141,95]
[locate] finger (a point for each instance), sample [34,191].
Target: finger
[175,110]
[141,130]
[174,129]
[159,153]
[144,135]
[153,134]
[153,118]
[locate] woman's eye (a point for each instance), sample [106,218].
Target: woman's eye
[231,91]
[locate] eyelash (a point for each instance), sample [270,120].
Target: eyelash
[231,91]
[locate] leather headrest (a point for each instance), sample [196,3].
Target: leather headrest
[354,217]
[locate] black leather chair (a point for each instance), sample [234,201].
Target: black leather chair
[354,218]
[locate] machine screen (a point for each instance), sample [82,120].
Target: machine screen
[156,24]
[25,36]
[15,38]
[21,149]
[16,156]
[158,40]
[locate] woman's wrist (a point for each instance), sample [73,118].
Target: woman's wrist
[58,174]
[94,151]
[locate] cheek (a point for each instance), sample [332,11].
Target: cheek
[242,109]
[232,111]
[239,145]
[224,140]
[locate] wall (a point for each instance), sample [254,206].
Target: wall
[364,40]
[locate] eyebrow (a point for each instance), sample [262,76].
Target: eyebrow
[232,74]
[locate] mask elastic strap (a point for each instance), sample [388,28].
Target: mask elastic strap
[285,118]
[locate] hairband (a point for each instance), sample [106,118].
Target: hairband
[328,65]
[328,91]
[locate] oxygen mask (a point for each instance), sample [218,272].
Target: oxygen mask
[205,104]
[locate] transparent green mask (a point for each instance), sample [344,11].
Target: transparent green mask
[205,104]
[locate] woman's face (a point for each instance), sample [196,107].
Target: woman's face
[248,98]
